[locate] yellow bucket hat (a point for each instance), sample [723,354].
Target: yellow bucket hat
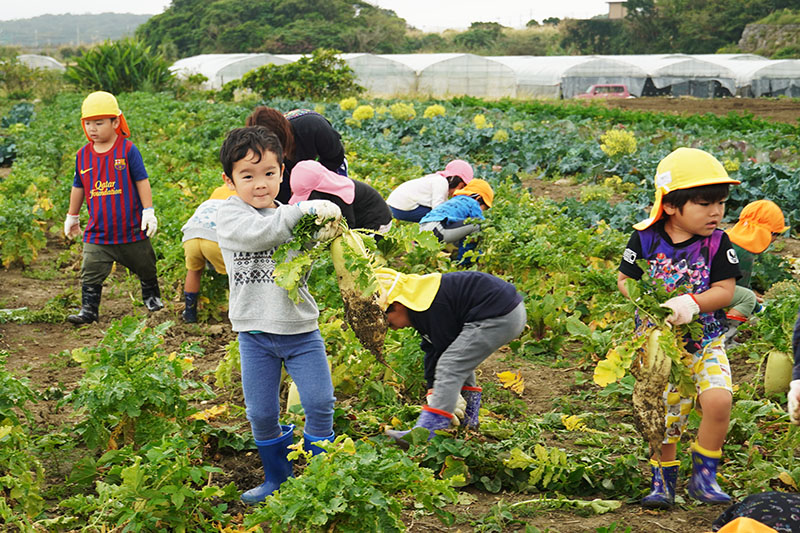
[479,187]
[757,222]
[684,168]
[415,291]
[101,104]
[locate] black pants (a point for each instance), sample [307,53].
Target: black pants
[138,257]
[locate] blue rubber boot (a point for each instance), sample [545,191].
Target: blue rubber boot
[309,440]
[703,485]
[473,397]
[189,314]
[430,419]
[277,468]
[662,487]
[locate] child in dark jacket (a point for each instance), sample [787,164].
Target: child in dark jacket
[463,317]
[361,205]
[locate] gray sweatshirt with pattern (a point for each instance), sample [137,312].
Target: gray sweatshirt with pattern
[248,237]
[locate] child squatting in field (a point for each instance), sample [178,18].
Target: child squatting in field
[462,317]
[413,199]
[110,175]
[683,246]
[273,330]
[362,206]
[448,220]
[200,248]
[759,224]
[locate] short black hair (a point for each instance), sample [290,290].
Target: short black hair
[454,181]
[239,142]
[705,193]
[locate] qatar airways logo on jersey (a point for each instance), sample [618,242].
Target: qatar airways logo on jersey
[104,188]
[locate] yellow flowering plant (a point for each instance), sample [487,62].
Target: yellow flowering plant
[346,104]
[435,110]
[402,111]
[363,112]
[618,142]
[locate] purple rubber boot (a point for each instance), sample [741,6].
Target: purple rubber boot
[473,397]
[703,484]
[430,419]
[662,488]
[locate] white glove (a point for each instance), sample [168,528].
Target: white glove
[329,230]
[149,222]
[72,225]
[683,307]
[458,413]
[321,208]
[794,401]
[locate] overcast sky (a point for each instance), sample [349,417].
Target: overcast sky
[428,15]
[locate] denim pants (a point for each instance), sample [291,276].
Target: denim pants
[261,356]
[415,215]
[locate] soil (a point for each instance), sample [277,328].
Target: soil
[771,109]
[38,352]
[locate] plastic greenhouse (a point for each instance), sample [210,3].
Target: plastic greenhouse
[37,61]
[759,76]
[222,68]
[381,75]
[682,75]
[567,76]
[445,75]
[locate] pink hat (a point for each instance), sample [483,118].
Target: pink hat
[308,176]
[458,167]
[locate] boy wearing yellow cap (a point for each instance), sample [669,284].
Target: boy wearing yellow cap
[110,175]
[760,222]
[448,220]
[462,317]
[684,247]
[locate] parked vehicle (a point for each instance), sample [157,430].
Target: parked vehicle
[607,90]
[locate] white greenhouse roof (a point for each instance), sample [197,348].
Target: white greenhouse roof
[445,75]
[222,68]
[38,61]
[674,69]
[554,76]
[381,75]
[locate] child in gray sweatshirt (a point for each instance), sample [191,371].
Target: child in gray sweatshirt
[273,330]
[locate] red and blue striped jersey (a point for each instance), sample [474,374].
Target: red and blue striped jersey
[108,181]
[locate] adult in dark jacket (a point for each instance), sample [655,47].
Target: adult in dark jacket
[361,205]
[304,135]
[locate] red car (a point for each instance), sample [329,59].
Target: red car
[607,90]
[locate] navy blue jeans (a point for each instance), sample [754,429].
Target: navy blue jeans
[262,355]
[415,215]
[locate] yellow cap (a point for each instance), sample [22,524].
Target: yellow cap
[757,222]
[221,193]
[685,168]
[415,291]
[101,104]
[479,187]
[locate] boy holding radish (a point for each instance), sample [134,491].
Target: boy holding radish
[683,245]
[273,330]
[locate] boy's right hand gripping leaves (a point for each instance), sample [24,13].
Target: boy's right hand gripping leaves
[683,307]
[72,226]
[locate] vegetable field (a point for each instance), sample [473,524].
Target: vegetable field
[136,423]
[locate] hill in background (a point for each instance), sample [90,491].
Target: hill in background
[56,30]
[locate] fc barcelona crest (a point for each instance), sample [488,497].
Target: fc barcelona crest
[120,164]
